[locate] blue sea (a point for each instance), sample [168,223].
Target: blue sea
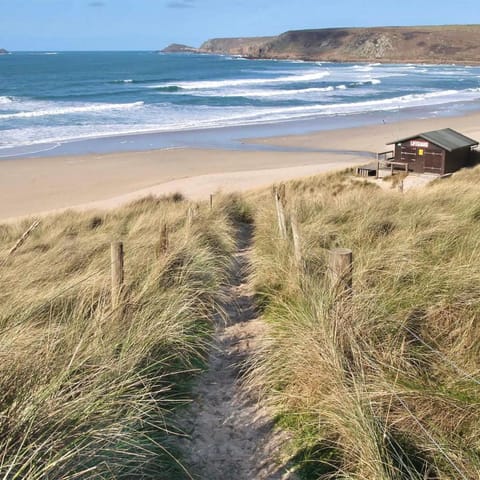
[77,102]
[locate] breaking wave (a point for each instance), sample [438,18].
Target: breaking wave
[71,110]
[216,84]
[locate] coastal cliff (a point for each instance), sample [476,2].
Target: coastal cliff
[246,46]
[432,44]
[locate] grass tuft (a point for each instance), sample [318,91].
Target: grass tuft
[382,385]
[87,392]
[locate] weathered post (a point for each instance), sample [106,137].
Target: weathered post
[163,241]
[341,270]
[279,203]
[211,201]
[400,186]
[117,272]
[297,247]
[377,176]
[391,168]
[189,219]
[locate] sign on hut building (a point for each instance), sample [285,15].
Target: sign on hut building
[440,151]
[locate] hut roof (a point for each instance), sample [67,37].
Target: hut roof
[446,138]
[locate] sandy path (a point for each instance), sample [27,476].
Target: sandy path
[230,435]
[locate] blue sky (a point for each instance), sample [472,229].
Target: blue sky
[152,24]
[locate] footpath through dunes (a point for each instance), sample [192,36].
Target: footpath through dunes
[228,433]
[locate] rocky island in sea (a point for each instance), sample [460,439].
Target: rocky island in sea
[179,48]
[3,51]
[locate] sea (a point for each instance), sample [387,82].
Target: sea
[54,103]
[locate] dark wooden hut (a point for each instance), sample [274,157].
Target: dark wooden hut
[440,151]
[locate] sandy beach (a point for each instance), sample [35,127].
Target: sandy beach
[38,185]
[375,138]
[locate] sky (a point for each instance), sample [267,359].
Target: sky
[153,24]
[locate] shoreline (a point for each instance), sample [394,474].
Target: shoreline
[36,186]
[242,137]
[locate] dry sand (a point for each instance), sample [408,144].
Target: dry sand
[42,185]
[39,185]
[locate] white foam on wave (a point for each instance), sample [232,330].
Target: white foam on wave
[6,100]
[362,68]
[264,93]
[277,114]
[216,84]
[66,110]
[164,117]
[271,93]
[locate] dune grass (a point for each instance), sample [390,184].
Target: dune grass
[384,384]
[85,392]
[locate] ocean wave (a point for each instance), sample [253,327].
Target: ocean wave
[130,80]
[216,84]
[404,101]
[267,93]
[363,68]
[6,100]
[67,110]
[280,93]
[168,89]
[153,118]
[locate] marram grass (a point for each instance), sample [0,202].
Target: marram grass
[386,384]
[86,392]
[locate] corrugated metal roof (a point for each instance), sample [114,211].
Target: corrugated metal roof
[446,138]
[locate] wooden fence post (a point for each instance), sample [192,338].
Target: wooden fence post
[400,186]
[211,201]
[279,203]
[117,272]
[297,247]
[341,269]
[189,220]
[163,241]
[377,176]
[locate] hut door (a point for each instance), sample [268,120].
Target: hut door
[433,162]
[420,160]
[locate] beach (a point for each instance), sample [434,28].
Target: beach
[39,185]
[130,124]
[33,186]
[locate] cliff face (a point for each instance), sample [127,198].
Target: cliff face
[247,47]
[442,44]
